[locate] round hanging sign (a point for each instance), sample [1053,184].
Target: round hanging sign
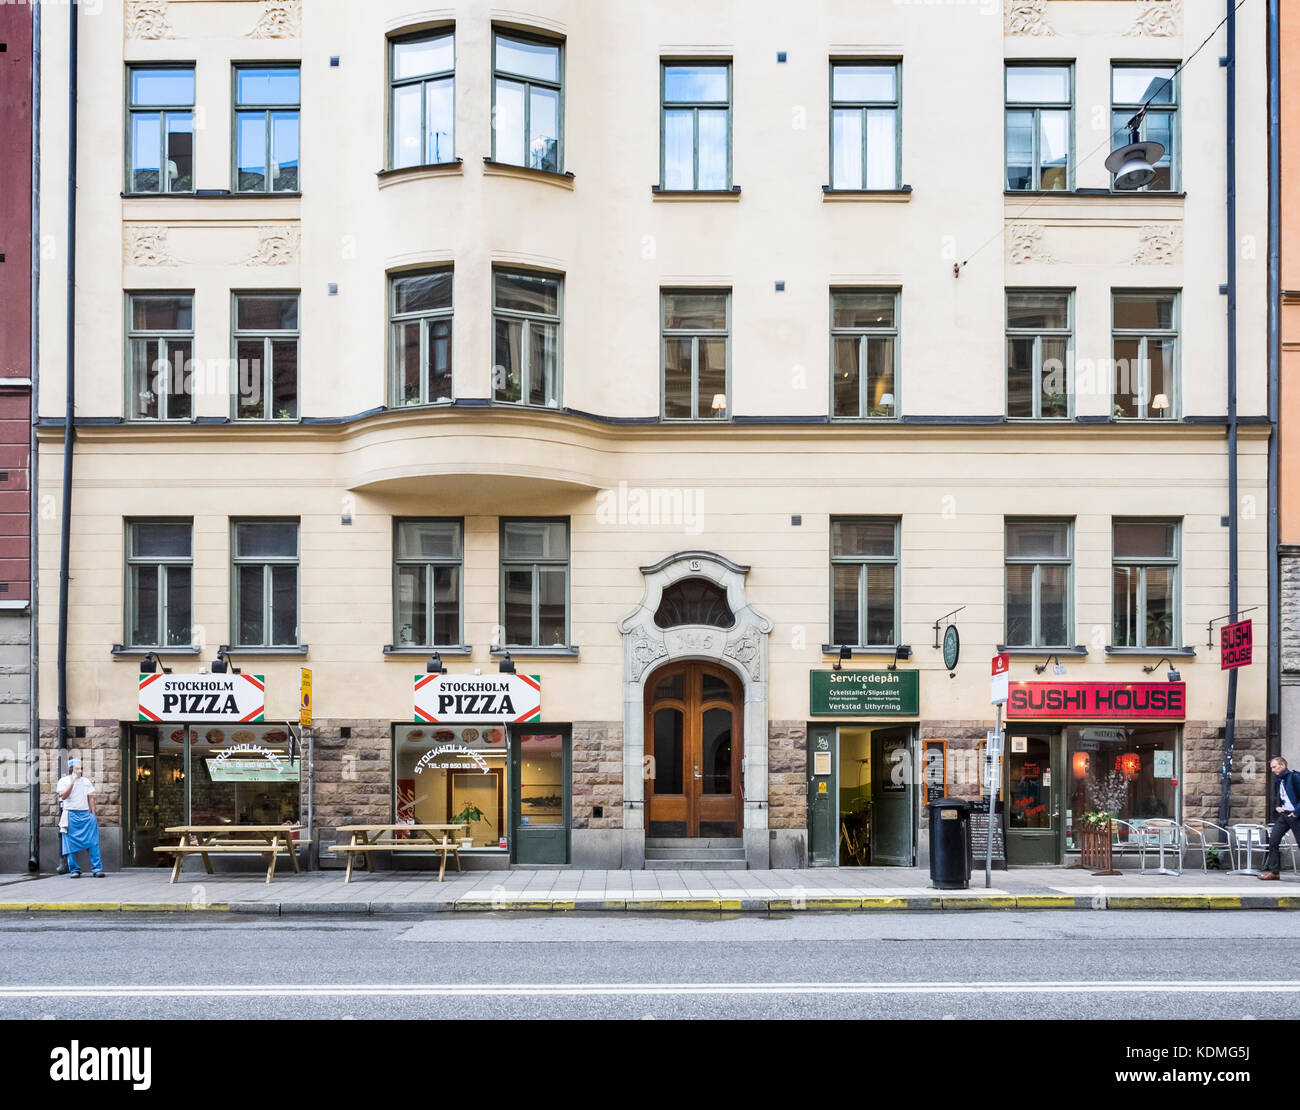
[951,647]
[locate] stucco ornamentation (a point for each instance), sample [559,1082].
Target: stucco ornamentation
[747,650]
[1026,17]
[280,19]
[147,19]
[1156,19]
[1025,244]
[643,651]
[276,246]
[1158,245]
[147,246]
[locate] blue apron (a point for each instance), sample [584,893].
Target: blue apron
[83,831]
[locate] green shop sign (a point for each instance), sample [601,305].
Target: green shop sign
[864,693]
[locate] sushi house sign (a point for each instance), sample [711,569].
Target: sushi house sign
[202,697]
[491,699]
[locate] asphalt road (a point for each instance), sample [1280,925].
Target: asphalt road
[1234,965]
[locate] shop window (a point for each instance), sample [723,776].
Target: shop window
[1145,583]
[528,101]
[1039,125]
[1145,341]
[1153,91]
[160,129]
[453,773]
[1039,582]
[864,347]
[696,127]
[1129,772]
[267,106]
[422,100]
[535,583]
[526,338]
[266,356]
[864,582]
[696,341]
[420,318]
[266,583]
[866,129]
[541,780]
[429,558]
[159,583]
[1039,381]
[160,356]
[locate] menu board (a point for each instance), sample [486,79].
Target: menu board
[934,764]
[979,837]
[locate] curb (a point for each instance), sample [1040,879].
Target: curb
[922,903]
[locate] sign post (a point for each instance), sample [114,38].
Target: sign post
[999,692]
[304,722]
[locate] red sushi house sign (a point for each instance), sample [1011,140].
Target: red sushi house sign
[1097,701]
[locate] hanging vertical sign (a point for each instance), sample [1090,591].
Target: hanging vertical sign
[1236,645]
[304,711]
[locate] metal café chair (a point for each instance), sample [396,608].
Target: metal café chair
[1199,835]
[1163,835]
[1248,837]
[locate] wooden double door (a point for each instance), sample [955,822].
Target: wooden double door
[694,741]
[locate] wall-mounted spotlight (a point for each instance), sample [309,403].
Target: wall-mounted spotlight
[152,664]
[223,664]
[507,665]
[903,652]
[1058,668]
[1174,676]
[846,653]
[434,666]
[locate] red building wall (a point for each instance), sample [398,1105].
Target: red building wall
[15,298]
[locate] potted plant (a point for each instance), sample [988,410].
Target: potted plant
[1096,843]
[470,815]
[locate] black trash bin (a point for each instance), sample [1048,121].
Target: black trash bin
[950,844]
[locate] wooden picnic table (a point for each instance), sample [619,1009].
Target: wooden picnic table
[368,839]
[206,840]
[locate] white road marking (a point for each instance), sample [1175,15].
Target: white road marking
[309,990]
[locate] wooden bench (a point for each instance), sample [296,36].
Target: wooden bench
[208,840]
[368,839]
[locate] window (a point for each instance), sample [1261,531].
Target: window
[528,102]
[696,355]
[1040,556]
[420,310]
[864,582]
[1038,349]
[865,134]
[267,103]
[1039,132]
[266,356]
[422,100]
[1145,338]
[266,583]
[160,129]
[1145,583]
[526,326]
[535,582]
[1132,772]
[1131,86]
[159,583]
[696,149]
[428,555]
[160,353]
[864,349]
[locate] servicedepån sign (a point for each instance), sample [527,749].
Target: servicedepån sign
[864,693]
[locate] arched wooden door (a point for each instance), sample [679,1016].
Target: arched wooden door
[694,739]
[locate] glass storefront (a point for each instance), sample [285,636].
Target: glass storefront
[207,775]
[1130,771]
[444,774]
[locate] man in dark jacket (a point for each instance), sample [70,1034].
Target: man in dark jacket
[1288,815]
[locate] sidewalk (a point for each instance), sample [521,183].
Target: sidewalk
[758,892]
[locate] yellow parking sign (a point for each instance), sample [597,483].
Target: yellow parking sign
[304,711]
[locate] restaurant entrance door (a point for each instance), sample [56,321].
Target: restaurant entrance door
[1034,794]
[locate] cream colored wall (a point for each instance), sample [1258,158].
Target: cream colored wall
[617,247]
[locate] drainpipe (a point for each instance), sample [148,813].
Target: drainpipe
[33,497]
[69,407]
[1274,374]
[1229,730]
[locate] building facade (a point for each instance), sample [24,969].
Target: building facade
[18,265]
[615,407]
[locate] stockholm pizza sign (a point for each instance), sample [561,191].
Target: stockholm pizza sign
[202,697]
[474,698]
[1097,701]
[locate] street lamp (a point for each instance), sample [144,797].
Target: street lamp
[1132,164]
